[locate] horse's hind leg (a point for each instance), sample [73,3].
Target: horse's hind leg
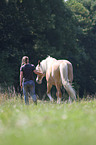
[49,86]
[65,82]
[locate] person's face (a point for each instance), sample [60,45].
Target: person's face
[28,60]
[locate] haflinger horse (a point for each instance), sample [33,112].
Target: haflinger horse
[58,73]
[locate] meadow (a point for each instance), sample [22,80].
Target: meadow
[47,123]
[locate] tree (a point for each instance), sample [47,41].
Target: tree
[85,13]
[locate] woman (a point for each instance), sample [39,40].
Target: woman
[27,79]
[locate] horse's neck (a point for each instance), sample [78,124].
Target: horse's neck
[46,64]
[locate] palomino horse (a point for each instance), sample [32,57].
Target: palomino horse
[58,73]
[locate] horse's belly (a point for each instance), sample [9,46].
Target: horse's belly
[54,81]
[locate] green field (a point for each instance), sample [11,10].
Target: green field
[47,123]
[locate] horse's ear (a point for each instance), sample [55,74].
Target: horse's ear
[39,62]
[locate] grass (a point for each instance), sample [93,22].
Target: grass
[47,123]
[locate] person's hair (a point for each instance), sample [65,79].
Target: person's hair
[24,60]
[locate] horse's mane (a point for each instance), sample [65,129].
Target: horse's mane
[51,58]
[46,63]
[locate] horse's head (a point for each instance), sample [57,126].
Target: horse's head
[39,77]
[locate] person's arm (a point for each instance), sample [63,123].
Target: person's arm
[21,78]
[37,72]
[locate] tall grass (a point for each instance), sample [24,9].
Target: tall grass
[46,123]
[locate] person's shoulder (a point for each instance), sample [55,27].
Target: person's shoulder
[33,66]
[22,67]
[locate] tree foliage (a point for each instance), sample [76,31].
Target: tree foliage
[85,13]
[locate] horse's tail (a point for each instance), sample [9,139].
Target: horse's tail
[70,72]
[65,81]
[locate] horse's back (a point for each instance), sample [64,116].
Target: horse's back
[53,69]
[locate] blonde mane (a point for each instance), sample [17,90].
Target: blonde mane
[47,63]
[51,58]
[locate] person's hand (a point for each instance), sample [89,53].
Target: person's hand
[21,86]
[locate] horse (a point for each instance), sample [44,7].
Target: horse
[58,73]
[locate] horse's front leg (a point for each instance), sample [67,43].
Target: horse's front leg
[59,95]
[49,86]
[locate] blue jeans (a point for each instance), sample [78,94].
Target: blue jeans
[29,87]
